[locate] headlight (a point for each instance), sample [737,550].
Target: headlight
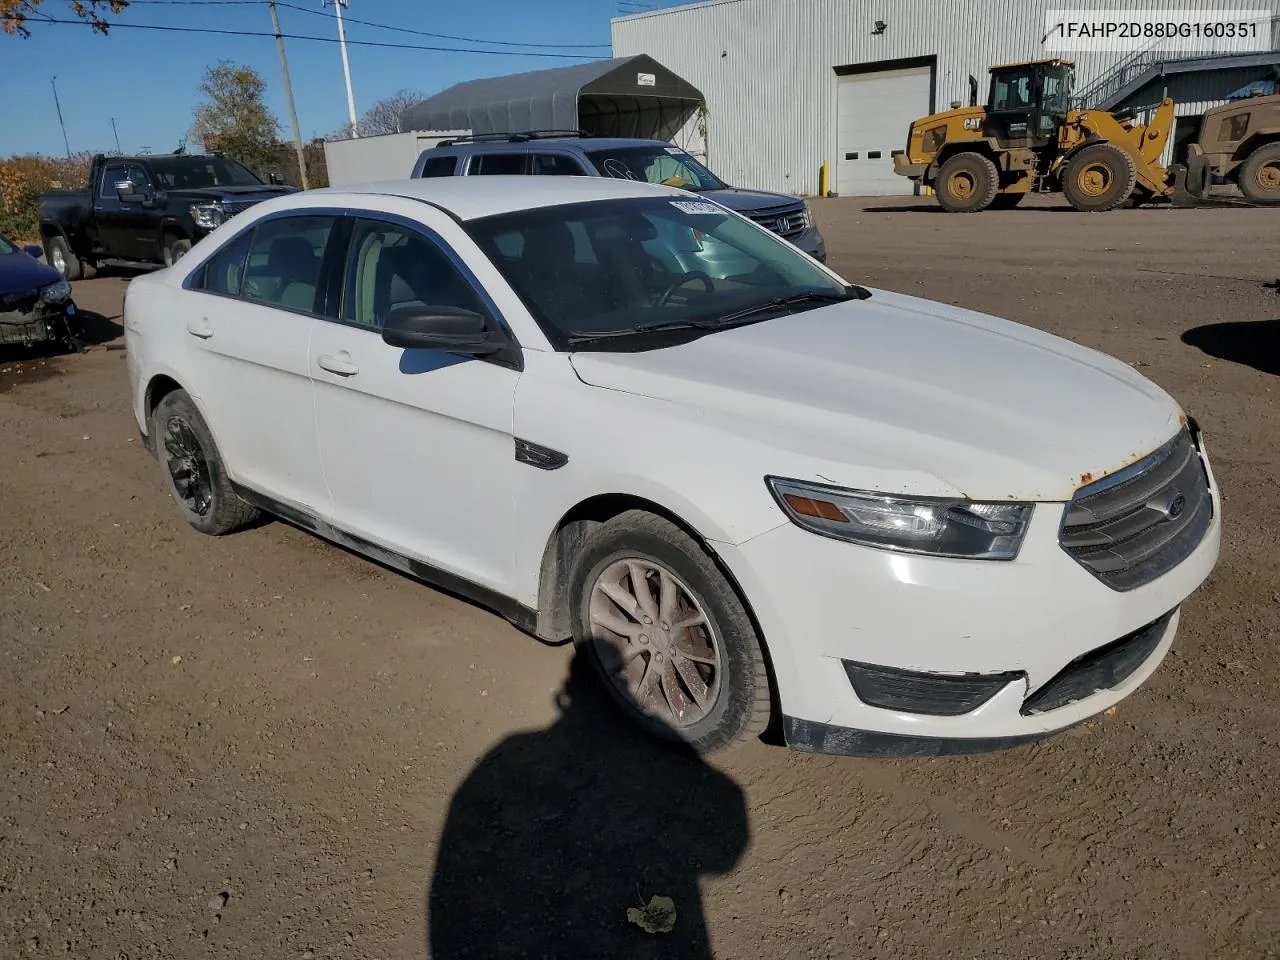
[928,525]
[806,217]
[55,292]
[208,215]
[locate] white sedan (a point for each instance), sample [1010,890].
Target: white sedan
[748,489]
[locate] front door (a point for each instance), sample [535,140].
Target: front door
[250,331]
[417,444]
[110,214]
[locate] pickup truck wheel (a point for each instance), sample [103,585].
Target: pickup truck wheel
[1260,174]
[193,470]
[668,634]
[967,183]
[62,259]
[175,248]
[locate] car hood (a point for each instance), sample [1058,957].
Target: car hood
[264,192]
[916,396]
[750,201]
[21,274]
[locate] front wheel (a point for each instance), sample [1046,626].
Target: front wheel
[668,634]
[1260,174]
[175,248]
[1098,178]
[967,183]
[60,257]
[192,468]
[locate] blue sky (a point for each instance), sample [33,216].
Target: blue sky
[149,81]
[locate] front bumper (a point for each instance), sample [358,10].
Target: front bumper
[823,604]
[811,242]
[42,323]
[905,168]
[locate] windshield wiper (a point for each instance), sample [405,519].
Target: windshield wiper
[640,329]
[756,311]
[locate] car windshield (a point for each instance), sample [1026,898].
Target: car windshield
[196,173]
[643,272]
[669,166]
[6,247]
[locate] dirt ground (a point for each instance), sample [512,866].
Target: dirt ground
[262,746]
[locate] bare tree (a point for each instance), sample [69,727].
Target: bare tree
[14,13]
[382,117]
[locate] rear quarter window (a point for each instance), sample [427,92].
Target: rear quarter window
[497,164]
[439,166]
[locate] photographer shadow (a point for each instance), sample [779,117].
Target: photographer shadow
[557,832]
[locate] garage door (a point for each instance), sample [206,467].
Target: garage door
[874,112]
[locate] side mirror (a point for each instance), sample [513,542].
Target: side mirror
[276,179]
[32,251]
[450,329]
[124,191]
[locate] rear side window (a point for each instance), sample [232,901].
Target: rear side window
[497,164]
[224,273]
[283,267]
[554,165]
[439,167]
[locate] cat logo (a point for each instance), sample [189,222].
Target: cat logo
[973,123]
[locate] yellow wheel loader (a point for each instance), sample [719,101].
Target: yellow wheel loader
[1027,139]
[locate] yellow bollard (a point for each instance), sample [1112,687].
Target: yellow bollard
[822,179]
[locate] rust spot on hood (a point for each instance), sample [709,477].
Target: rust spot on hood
[1085,479]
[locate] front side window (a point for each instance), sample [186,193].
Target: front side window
[497,164]
[112,174]
[141,180]
[605,274]
[655,164]
[283,266]
[391,266]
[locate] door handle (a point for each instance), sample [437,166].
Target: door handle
[340,363]
[200,328]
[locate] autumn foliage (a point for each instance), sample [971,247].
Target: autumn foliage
[23,179]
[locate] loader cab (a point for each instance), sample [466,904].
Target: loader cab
[1028,102]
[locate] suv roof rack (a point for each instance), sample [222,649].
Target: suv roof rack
[520,137]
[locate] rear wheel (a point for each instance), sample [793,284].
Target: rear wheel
[1260,174]
[60,257]
[1006,201]
[967,183]
[1099,177]
[193,470]
[668,634]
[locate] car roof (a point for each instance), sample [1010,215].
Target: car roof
[545,143]
[469,198]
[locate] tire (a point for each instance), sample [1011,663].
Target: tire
[185,448]
[1006,201]
[1259,177]
[59,256]
[736,703]
[967,183]
[1099,178]
[175,248]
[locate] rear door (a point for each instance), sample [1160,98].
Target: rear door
[250,325]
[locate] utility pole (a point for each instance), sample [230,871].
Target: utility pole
[288,92]
[117,135]
[346,67]
[65,142]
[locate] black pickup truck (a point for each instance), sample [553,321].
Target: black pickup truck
[145,209]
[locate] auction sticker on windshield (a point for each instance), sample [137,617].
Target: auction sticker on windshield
[696,206]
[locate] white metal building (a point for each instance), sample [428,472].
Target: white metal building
[792,83]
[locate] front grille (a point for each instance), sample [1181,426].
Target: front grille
[232,207]
[18,303]
[1132,527]
[789,223]
[1101,669]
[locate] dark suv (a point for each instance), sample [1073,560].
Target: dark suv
[576,154]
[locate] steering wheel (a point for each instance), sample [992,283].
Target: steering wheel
[680,281]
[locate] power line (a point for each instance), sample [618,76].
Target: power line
[370,23]
[120,25]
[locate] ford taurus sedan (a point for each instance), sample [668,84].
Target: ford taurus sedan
[751,490]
